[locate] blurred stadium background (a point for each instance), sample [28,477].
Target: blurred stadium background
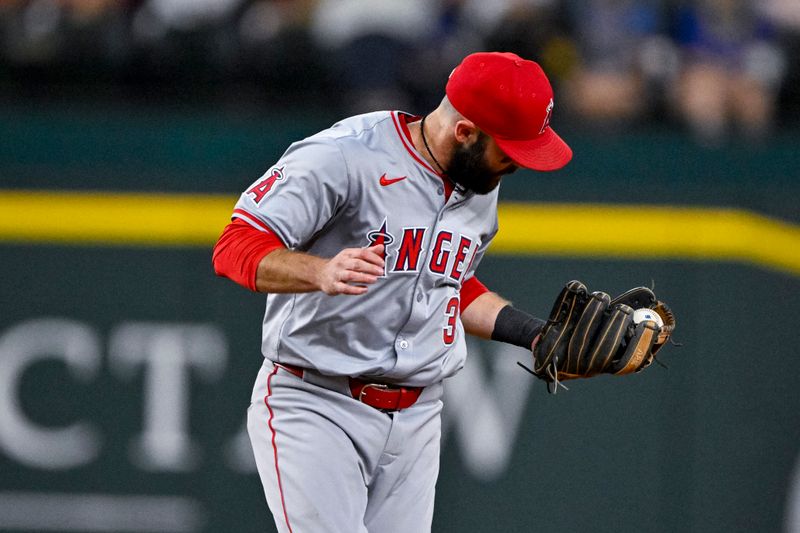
[129,127]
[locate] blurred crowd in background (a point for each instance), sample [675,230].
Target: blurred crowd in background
[719,68]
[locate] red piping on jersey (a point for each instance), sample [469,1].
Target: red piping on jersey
[274,446]
[240,249]
[470,290]
[405,137]
[252,219]
[401,125]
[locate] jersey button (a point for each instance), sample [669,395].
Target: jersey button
[403,344]
[440,191]
[419,296]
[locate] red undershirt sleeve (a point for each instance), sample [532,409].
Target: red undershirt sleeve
[240,249]
[471,289]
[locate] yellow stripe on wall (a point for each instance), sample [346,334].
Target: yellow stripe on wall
[645,231]
[113,218]
[576,230]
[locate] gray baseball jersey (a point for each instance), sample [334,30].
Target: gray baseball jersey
[358,183]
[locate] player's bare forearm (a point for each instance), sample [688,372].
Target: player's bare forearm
[285,270]
[480,316]
[348,272]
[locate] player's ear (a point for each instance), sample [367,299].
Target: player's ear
[465,132]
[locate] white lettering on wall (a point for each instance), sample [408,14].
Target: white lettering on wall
[78,347]
[166,353]
[484,404]
[484,409]
[239,452]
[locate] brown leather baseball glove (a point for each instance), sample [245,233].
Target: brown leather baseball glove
[589,334]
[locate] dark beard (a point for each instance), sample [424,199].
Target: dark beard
[468,168]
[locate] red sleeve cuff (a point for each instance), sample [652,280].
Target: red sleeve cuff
[471,289]
[240,249]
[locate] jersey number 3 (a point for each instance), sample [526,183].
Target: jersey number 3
[260,189]
[451,314]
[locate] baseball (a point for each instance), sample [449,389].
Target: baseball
[647,314]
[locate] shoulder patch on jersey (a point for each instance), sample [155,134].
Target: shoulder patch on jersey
[266,183]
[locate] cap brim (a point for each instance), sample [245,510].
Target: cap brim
[546,152]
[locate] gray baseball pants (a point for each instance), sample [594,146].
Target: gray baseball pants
[329,463]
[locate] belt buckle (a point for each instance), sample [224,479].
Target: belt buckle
[378,386]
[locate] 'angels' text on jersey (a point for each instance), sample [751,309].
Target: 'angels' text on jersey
[450,253]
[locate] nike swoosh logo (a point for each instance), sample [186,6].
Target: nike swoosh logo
[384,181]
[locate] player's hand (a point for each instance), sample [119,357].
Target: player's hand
[352,268]
[535,342]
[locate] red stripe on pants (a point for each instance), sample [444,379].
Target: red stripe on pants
[275,447]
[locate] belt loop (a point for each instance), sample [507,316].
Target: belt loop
[294,370]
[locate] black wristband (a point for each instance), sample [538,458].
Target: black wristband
[516,327]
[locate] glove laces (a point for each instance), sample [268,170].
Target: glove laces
[551,373]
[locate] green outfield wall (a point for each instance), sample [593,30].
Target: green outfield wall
[126,365]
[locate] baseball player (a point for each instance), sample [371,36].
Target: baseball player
[366,238]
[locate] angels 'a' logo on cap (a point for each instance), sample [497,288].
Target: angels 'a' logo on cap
[547,116]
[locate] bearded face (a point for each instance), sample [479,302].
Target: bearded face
[470,169]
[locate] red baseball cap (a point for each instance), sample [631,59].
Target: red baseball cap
[510,98]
